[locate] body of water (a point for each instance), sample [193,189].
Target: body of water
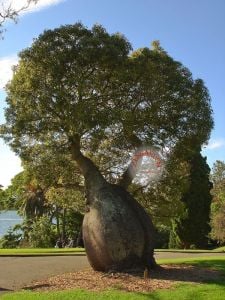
[8,219]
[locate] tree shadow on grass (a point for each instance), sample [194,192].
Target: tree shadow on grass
[188,273]
[218,264]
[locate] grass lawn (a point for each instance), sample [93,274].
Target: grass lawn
[213,290]
[70,251]
[191,250]
[41,251]
[216,262]
[222,249]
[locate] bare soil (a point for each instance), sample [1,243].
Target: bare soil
[165,277]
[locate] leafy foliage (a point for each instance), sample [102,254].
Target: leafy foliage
[162,199]
[34,201]
[218,204]
[1,198]
[12,197]
[192,229]
[75,82]
[42,234]
[11,239]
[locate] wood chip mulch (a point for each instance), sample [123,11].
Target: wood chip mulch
[167,276]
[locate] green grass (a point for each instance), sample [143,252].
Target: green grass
[189,250]
[216,262]
[41,251]
[71,251]
[222,249]
[213,290]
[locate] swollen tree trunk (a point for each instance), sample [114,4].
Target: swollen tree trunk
[118,234]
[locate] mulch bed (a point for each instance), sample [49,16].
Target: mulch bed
[167,276]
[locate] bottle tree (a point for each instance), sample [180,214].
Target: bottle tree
[83,91]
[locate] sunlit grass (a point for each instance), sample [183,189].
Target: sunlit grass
[188,250]
[42,251]
[215,262]
[220,249]
[67,251]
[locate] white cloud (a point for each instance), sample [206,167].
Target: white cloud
[10,165]
[6,64]
[216,144]
[18,4]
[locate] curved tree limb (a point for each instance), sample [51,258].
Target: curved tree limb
[8,12]
[129,174]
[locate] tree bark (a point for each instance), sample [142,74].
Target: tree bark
[118,234]
[129,174]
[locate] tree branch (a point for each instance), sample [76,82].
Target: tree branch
[70,186]
[129,174]
[10,13]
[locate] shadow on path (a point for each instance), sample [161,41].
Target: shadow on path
[4,290]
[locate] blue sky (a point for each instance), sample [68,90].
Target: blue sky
[191,31]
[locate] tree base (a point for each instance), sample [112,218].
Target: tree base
[118,234]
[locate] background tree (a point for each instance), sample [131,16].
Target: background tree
[81,92]
[63,187]
[11,239]
[1,198]
[42,234]
[162,199]
[8,12]
[218,204]
[45,190]
[192,229]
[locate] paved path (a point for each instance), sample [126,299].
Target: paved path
[16,272]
